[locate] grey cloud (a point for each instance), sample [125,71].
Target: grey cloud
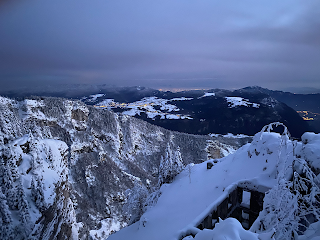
[215,43]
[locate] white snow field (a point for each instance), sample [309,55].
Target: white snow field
[167,111]
[146,105]
[207,94]
[185,201]
[239,101]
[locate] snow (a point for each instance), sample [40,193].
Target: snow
[33,103]
[42,161]
[48,170]
[207,94]
[255,105]
[239,101]
[90,178]
[94,97]
[51,170]
[169,108]
[147,105]
[181,99]
[134,178]
[185,117]
[197,191]
[107,103]
[228,135]
[269,101]
[32,109]
[312,233]
[310,148]
[172,116]
[108,226]
[229,229]
[133,112]
[184,202]
[5,101]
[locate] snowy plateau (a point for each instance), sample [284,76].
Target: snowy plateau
[73,171]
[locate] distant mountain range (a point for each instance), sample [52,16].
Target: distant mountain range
[242,111]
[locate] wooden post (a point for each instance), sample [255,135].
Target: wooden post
[233,198]
[237,214]
[207,222]
[256,205]
[256,201]
[222,209]
[240,193]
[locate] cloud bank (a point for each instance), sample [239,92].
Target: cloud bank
[179,43]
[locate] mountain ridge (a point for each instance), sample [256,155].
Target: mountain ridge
[95,94]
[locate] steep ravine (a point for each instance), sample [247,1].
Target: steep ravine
[64,166]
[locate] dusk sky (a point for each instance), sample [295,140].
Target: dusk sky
[161,44]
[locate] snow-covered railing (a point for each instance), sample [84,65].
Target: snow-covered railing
[231,203]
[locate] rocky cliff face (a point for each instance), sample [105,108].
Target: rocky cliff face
[64,166]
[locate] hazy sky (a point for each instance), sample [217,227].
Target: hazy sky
[161,43]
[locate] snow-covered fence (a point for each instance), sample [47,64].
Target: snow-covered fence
[242,200]
[234,205]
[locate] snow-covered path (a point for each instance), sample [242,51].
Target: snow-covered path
[188,196]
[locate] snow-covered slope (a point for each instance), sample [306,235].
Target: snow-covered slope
[266,162]
[239,101]
[147,105]
[65,166]
[203,112]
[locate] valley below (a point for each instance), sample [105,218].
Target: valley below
[87,167]
[65,166]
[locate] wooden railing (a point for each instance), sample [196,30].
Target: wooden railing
[244,202]
[233,206]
